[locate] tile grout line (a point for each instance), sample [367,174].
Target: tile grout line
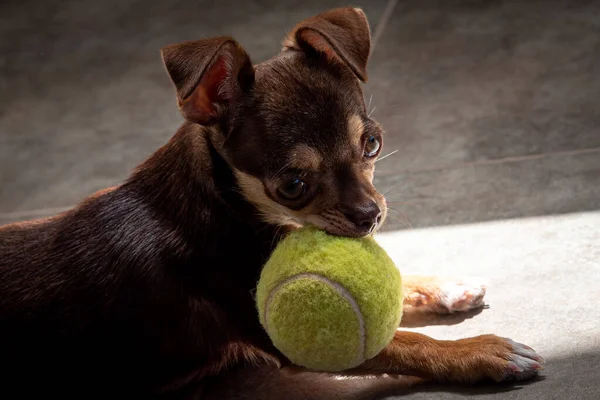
[43,212]
[379,29]
[382,23]
[505,160]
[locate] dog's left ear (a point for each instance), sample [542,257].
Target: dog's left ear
[342,35]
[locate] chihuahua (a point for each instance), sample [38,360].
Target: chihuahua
[146,290]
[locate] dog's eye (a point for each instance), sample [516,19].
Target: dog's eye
[372,146]
[292,190]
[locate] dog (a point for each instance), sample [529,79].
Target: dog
[146,290]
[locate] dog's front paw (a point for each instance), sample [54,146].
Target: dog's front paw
[496,358]
[443,296]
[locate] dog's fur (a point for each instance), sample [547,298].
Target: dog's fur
[146,289]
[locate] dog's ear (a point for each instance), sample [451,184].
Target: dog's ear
[210,76]
[342,35]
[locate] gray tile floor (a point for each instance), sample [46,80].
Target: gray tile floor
[542,275]
[84,96]
[493,107]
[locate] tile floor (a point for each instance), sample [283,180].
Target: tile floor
[492,105]
[542,275]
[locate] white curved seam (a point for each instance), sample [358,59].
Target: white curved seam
[341,291]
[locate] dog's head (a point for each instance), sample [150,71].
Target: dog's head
[294,129]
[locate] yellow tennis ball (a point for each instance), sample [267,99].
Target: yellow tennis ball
[329,303]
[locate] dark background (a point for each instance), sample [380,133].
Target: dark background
[493,106]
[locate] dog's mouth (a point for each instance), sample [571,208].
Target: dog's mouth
[337,225]
[354,220]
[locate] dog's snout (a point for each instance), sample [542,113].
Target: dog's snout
[365,217]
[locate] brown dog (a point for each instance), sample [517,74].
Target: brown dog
[146,289]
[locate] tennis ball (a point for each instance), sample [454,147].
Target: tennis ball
[329,303]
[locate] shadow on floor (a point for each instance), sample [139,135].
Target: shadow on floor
[421,319]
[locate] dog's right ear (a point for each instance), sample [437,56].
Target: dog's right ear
[210,76]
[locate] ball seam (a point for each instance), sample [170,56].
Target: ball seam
[341,290]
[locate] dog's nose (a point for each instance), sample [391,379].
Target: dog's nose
[365,216]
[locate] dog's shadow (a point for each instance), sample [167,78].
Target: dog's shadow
[477,389]
[419,319]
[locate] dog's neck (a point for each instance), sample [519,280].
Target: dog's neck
[192,185]
[187,180]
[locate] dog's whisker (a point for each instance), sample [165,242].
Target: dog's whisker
[285,166]
[400,202]
[370,100]
[410,199]
[393,105]
[401,213]
[276,235]
[391,190]
[371,112]
[405,222]
[396,210]
[386,156]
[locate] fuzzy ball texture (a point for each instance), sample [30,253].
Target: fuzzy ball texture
[329,303]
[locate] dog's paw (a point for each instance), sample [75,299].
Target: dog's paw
[460,296]
[445,296]
[497,358]
[524,362]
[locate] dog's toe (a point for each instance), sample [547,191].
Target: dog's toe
[524,362]
[525,351]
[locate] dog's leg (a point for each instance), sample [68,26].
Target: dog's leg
[441,295]
[464,361]
[410,359]
[292,383]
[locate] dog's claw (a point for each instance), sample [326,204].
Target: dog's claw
[524,363]
[514,367]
